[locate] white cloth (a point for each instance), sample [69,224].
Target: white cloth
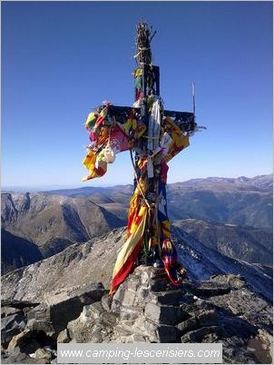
[154,126]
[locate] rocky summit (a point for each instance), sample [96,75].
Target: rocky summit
[145,308]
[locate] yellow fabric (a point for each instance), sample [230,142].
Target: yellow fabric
[90,162]
[132,125]
[91,119]
[179,140]
[137,231]
[165,226]
[138,72]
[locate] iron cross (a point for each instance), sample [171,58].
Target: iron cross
[153,136]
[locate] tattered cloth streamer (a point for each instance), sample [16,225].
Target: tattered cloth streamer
[154,126]
[115,139]
[130,250]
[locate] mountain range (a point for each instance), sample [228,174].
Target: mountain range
[230,216]
[47,224]
[241,201]
[93,261]
[242,242]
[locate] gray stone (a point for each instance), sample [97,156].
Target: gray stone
[121,330]
[166,314]
[129,299]
[106,301]
[67,306]
[93,325]
[233,281]
[63,336]
[108,318]
[25,341]
[15,356]
[208,318]
[188,325]
[92,311]
[40,312]
[7,311]
[130,313]
[170,297]
[138,338]
[11,326]
[209,289]
[40,325]
[42,353]
[199,334]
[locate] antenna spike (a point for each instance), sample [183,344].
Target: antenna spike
[193,98]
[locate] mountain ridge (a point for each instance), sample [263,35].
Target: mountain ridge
[93,262]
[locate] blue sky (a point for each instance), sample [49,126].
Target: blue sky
[60,59]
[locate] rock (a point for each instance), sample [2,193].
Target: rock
[40,312]
[88,331]
[92,311]
[93,325]
[262,345]
[130,313]
[15,356]
[66,307]
[188,325]
[19,304]
[106,302]
[245,304]
[63,337]
[138,338]
[230,280]
[109,319]
[225,310]
[28,341]
[43,353]
[208,318]
[198,335]
[11,326]
[166,314]
[169,297]
[25,341]
[40,325]
[7,311]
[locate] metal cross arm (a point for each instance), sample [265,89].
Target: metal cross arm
[185,120]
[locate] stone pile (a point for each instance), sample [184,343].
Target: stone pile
[145,308]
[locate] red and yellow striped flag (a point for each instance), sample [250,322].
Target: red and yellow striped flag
[130,250]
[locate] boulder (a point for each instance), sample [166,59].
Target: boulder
[40,325]
[26,341]
[63,336]
[148,308]
[43,353]
[15,356]
[65,307]
[93,325]
[166,314]
[7,311]
[11,326]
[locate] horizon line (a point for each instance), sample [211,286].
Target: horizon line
[75,186]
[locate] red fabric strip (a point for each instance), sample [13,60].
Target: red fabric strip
[126,269]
